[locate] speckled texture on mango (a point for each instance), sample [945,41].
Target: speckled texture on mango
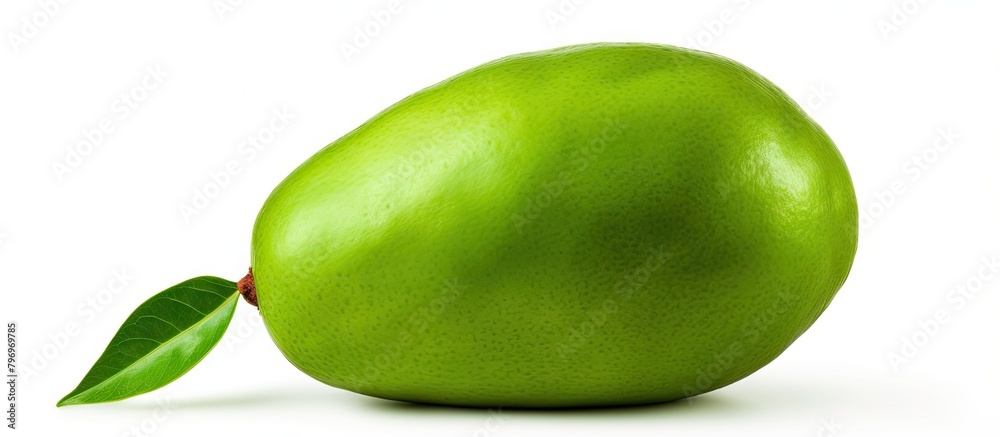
[600,224]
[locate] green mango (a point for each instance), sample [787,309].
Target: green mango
[593,225]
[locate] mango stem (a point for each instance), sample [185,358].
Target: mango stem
[247,288]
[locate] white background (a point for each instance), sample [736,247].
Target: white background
[884,78]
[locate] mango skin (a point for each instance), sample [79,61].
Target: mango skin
[594,225]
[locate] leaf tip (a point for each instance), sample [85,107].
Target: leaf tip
[67,400]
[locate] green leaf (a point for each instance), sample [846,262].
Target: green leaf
[160,341]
